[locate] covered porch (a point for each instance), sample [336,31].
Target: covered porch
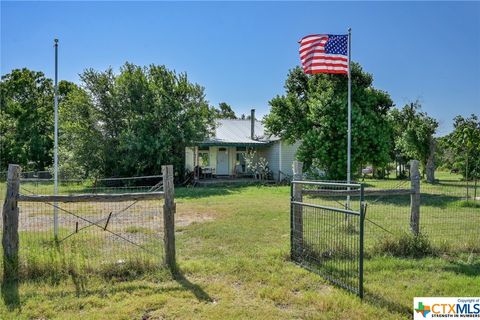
[222,163]
[231,181]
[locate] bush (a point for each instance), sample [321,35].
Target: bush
[468,204]
[406,245]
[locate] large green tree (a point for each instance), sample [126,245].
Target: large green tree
[314,111]
[414,136]
[82,144]
[463,144]
[133,122]
[26,119]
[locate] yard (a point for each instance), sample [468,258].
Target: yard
[233,254]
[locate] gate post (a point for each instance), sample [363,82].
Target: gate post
[169,217]
[362,240]
[415,197]
[10,224]
[296,212]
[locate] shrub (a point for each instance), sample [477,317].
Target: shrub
[469,204]
[406,245]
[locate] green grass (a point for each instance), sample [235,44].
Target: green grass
[405,245]
[86,253]
[137,229]
[237,266]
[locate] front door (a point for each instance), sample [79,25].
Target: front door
[222,161]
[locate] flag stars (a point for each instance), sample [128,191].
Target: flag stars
[336,44]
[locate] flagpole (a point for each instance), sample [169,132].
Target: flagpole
[349,99]
[55,152]
[349,143]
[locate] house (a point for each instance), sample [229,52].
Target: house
[222,154]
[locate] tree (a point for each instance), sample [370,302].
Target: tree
[414,136]
[26,120]
[444,155]
[245,117]
[464,144]
[225,111]
[82,151]
[314,111]
[134,122]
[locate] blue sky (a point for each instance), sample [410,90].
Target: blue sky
[241,52]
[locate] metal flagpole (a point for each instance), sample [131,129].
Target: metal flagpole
[55,155]
[349,132]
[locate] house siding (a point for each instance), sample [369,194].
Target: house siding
[288,154]
[272,155]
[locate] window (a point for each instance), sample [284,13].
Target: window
[203,158]
[240,159]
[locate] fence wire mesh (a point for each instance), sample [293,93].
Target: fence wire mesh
[115,238]
[449,212]
[104,185]
[326,232]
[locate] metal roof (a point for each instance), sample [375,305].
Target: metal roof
[230,131]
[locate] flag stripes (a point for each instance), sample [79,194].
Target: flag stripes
[324,54]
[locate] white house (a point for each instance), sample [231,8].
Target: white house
[222,154]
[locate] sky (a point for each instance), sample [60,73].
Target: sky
[241,52]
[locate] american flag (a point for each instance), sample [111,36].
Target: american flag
[324,53]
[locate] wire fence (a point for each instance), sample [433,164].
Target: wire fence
[105,185]
[449,212]
[29,175]
[105,237]
[114,237]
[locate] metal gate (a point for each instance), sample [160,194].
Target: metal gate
[327,231]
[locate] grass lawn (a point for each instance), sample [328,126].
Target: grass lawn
[235,265]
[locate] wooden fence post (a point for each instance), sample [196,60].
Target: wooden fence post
[10,224]
[169,217]
[415,197]
[297,219]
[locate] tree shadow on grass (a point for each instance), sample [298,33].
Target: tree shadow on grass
[10,294]
[80,282]
[204,192]
[468,269]
[455,183]
[427,199]
[195,289]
